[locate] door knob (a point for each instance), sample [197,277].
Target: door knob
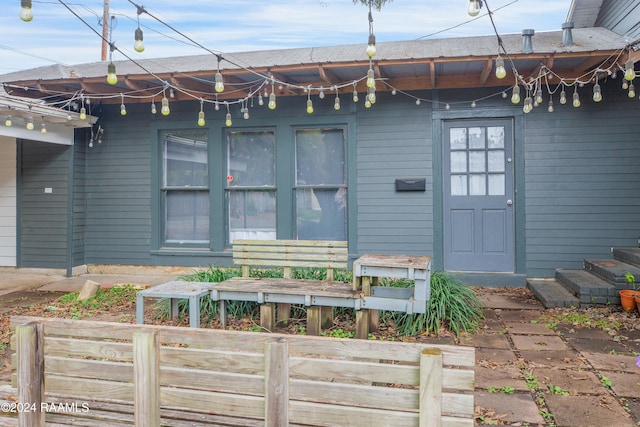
[509,202]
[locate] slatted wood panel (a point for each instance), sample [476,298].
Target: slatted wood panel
[222,373]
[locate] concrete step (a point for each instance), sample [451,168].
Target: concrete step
[587,287]
[552,293]
[628,255]
[613,271]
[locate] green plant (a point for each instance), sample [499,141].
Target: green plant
[531,381]
[605,381]
[631,279]
[452,305]
[556,389]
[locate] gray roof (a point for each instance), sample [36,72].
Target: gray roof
[407,65]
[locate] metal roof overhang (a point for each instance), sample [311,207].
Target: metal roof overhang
[59,123]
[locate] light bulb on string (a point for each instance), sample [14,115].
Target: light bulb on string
[164,109]
[321,93]
[371,43]
[26,13]
[260,99]
[597,93]
[418,102]
[473,9]
[309,103]
[219,81]
[394,91]
[371,46]
[576,98]
[625,85]
[563,96]
[515,95]
[550,107]
[123,109]
[501,72]
[138,44]
[447,106]
[201,121]
[539,96]
[8,123]
[272,98]
[43,128]
[83,113]
[504,95]
[245,113]
[367,103]
[336,102]
[217,104]
[29,125]
[371,95]
[473,104]
[172,94]
[629,70]
[355,93]
[527,105]
[227,120]
[112,77]
[371,78]
[632,91]
[153,107]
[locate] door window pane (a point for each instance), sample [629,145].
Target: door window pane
[458,185]
[477,185]
[458,161]
[497,185]
[496,160]
[476,161]
[476,138]
[458,138]
[187,217]
[495,137]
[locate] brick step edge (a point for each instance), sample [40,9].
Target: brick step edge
[628,255]
[552,293]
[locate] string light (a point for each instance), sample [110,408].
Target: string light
[153,106]
[632,91]
[201,121]
[164,109]
[515,95]
[112,77]
[563,96]
[371,44]
[474,7]
[371,95]
[597,93]
[123,109]
[336,102]
[550,107]
[629,70]
[8,123]
[26,13]
[43,127]
[576,97]
[29,125]
[309,102]
[228,121]
[272,98]
[355,93]
[138,44]
[371,78]
[501,72]
[219,82]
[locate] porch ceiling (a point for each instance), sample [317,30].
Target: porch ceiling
[411,65]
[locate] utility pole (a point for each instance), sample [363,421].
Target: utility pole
[105,30]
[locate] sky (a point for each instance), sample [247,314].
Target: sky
[56,35]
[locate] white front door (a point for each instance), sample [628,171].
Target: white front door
[7,201]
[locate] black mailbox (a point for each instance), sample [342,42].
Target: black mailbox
[410,184]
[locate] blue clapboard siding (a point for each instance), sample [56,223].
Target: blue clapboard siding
[118,191]
[44,217]
[621,16]
[394,141]
[582,181]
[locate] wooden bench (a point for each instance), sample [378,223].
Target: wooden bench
[114,374]
[319,296]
